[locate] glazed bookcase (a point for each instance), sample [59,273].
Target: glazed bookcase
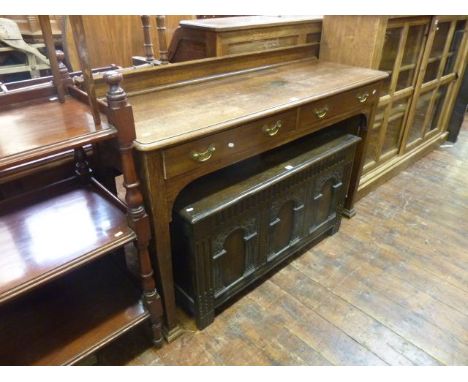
[425,57]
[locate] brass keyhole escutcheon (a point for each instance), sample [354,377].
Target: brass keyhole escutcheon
[272,130]
[203,156]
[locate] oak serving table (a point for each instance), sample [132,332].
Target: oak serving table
[194,118]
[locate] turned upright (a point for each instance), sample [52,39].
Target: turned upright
[121,116]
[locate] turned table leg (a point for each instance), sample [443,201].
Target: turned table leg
[164,264]
[154,190]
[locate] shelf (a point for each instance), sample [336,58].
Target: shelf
[434,59]
[396,115]
[47,233]
[407,67]
[43,128]
[70,318]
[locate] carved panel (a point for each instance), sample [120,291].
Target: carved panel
[286,220]
[326,192]
[234,252]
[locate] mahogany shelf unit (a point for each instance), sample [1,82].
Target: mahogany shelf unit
[60,297]
[71,317]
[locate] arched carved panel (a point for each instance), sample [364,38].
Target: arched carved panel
[281,229]
[327,192]
[285,226]
[234,252]
[323,203]
[232,262]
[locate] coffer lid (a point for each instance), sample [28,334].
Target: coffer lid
[243,180]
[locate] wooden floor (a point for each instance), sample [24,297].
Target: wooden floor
[391,287]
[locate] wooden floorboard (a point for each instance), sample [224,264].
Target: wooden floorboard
[391,287]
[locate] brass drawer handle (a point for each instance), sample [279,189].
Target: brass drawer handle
[204,155]
[321,113]
[362,97]
[272,130]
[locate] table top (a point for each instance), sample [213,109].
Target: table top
[224,24]
[172,115]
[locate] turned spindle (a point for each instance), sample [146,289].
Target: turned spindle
[121,116]
[161,27]
[82,169]
[148,44]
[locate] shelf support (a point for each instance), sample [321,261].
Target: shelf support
[82,170]
[120,114]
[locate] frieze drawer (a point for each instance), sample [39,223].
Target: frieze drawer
[311,115]
[234,226]
[239,142]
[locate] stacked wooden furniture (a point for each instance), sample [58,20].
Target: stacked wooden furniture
[63,295]
[216,37]
[194,118]
[425,57]
[103,31]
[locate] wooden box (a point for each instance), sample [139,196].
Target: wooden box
[196,39]
[233,226]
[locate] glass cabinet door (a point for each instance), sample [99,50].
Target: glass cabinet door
[373,138]
[435,58]
[439,100]
[428,107]
[420,54]
[417,128]
[394,126]
[389,55]
[411,55]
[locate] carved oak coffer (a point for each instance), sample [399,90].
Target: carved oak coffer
[241,222]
